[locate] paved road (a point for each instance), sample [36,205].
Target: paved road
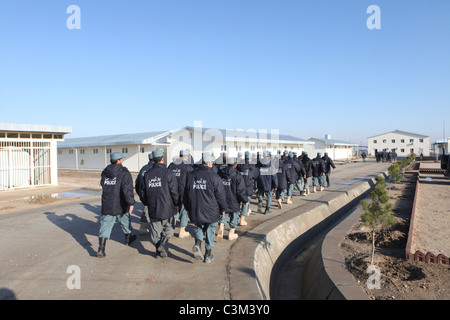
[41,248]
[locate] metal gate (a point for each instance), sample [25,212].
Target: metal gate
[24,163]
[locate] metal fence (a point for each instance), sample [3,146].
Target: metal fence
[24,163]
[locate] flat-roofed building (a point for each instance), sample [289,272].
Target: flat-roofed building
[336,149]
[28,154]
[402,142]
[93,152]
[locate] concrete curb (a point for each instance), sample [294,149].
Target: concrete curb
[257,257]
[325,276]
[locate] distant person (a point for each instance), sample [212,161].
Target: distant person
[292,173]
[181,168]
[363,155]
[394,156]
[282,177]
[301,174]
[235,193]
[318,172]
[140,177]
[249,173]
[267,182]
[204,199]
[117,201]
[159,192]
[328,165]
[309,165]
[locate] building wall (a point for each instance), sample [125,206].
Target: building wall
[335,152]
[403,144]
[27,163]
[97,158]
[210,141]
[339,152]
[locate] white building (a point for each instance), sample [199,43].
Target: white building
[404,143]
[336,149]
[442,146]
[93,152]
[28,154]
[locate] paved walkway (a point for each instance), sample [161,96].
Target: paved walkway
[41,248]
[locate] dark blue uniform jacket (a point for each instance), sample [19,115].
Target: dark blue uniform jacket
[159,192]
[117,190]
[204,196]
[235,190]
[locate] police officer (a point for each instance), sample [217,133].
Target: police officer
[235,191]
[293,170]
[181,167]
[308,164]
[117,201]
[159,193]
[318,172]
[139,179]
[282,177]
[328,165]
[204,199]
[249,174]
[301,174]
[267,181]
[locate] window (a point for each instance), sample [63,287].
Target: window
[95,151]
[124,150]
[402,141]
[81,151]
[374,141]
[59,151]
[411,150]
[411,140]
[393,140]
[402,150]
[108,150]
[142,150]
[421,140]
[70,151]
[223,147]
[384,140]
[252,148]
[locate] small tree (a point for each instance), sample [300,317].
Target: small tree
[394,172]
[378,214]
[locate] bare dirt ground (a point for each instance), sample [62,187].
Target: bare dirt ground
[20,199]
[403,279]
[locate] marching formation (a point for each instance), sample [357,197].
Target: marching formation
[210,193]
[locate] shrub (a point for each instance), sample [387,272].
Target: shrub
[378,214]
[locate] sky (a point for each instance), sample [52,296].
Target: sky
[304,67]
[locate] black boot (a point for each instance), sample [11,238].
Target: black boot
[197,249]
[162,248]
[129,238]
[208,256]
[268,211]
[101,247]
